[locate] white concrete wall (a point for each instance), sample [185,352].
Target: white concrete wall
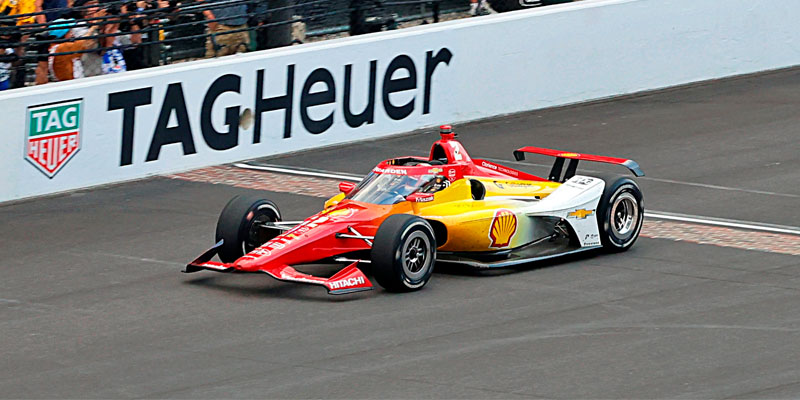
[497,65]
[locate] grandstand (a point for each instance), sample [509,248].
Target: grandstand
[114,36]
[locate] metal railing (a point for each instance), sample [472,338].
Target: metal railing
[162,32]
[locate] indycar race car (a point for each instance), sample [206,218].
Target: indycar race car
[409,213]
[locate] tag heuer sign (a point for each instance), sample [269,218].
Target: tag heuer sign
[53,135]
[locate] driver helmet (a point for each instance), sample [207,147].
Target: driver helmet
[436,184]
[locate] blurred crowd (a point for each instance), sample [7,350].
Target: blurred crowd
[44,41]
[71,39]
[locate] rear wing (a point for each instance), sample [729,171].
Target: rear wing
[558,165]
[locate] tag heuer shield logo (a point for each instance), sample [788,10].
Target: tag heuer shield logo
[53,135]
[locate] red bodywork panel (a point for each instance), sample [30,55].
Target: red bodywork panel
[519,154]
[312,240]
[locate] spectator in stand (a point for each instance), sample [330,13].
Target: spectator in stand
[68,66]
[259,16]
[113,60]
[93,12]
[143,54]
[229,18]
[475,9]
[7,54]
[52,9]
[19,7]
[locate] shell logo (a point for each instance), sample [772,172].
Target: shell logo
[569,155]
[504,226]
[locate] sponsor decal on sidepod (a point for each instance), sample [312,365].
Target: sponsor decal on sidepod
[503,228]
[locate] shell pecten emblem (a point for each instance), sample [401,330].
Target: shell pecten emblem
[504,226]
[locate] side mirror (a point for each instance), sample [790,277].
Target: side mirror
[420,197]
[346,187]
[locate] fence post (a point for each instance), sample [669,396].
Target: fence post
[357,18]
[280,35]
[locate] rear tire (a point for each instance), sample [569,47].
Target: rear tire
[620,214]
[403,253]
[238,226]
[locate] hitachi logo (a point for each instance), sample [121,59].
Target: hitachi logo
[341,284]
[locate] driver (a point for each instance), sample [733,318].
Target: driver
[395,188]
[436,184]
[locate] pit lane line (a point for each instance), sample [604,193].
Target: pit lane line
[731,223]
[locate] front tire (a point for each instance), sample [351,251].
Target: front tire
[620,214]
[239,225]
[403,253]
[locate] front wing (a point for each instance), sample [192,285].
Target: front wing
[348,280]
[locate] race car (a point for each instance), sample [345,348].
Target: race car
[409,213]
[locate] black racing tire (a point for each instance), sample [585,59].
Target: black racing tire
[620,214]
[403,253]
[513,5]
[238,226]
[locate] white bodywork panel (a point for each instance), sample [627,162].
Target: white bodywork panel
[576,201]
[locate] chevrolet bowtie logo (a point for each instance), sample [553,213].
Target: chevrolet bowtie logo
[582,214]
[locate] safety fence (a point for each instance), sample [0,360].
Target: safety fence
[114,36]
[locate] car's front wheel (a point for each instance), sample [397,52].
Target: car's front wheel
[241,226]
[403,253]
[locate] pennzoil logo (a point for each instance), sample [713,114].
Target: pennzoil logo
[580,214]
[53,135]
[340,213]
[504,226]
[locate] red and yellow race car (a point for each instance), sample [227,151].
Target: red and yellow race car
[410,212]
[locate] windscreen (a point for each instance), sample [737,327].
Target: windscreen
[388,188]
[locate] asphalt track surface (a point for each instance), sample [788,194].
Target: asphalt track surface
[92,304]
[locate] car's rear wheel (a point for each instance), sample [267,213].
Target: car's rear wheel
[241,226]
[620,214]
[403,253]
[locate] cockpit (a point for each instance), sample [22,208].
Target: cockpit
[387,188]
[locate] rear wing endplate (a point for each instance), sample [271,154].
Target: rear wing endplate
[555,172]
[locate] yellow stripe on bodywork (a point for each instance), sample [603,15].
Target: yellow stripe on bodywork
[501,187]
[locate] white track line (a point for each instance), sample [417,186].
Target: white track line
[298,172]
[756,226]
